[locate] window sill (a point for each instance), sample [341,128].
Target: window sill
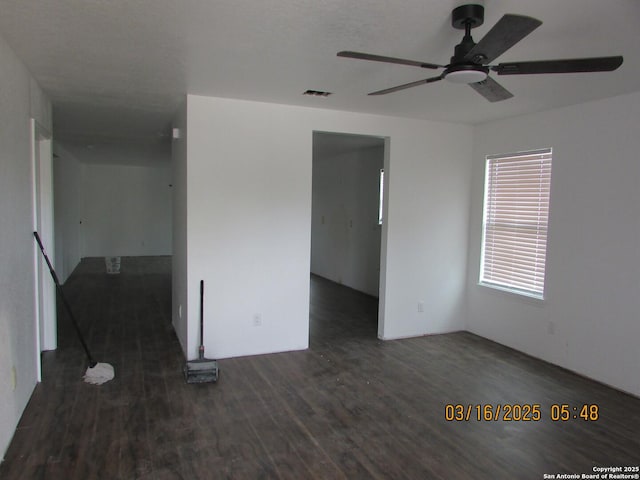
[533,297]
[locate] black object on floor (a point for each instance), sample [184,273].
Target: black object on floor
[202,370]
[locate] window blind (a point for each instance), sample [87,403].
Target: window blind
[516,213]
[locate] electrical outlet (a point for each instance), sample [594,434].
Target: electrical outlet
[257,320]
[420,307]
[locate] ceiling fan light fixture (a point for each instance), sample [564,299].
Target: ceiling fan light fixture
[466,74]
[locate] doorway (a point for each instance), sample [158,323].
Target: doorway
[347,215]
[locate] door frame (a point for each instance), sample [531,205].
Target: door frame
[43,223]
[382,270]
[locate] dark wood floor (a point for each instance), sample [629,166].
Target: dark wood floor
[350,407]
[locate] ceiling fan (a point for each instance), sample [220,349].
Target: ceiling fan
[470,61]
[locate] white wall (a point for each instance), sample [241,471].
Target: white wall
[126,210]
[20,99]
[67,189]
[180,285]
[121,207]
[593,281]
[345,235]
[249,222]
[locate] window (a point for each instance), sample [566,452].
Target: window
[381,190]
[516,212]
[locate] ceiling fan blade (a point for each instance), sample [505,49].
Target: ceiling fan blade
[407,85]
[572,65]
[491,90]
[509,30]
[380,58]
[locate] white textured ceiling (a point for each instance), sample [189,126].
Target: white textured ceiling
[119,68]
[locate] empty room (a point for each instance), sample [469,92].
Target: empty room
[273,240]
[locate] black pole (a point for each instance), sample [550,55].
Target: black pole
[201,348]
[92,362]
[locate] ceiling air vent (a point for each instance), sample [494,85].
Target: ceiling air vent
[316,93]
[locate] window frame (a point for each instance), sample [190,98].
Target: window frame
[381,197]
[547,156]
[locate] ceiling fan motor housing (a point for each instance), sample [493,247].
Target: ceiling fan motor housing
[461,50]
